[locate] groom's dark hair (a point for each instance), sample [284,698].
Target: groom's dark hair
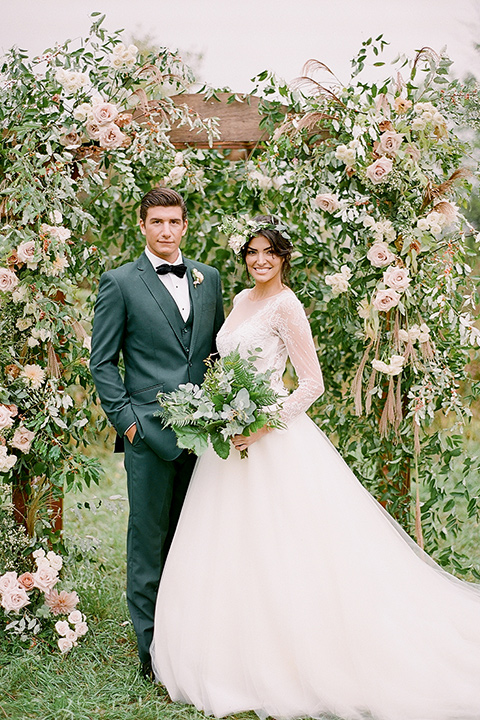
[163,197]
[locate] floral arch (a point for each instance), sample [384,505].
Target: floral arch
[370,177]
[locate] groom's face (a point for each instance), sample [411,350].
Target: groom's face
[164,228]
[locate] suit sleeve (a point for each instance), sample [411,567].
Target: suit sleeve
[219,312]
[107,339]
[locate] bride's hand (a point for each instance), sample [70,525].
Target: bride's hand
[242,442]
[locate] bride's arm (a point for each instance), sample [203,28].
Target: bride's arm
[294,329]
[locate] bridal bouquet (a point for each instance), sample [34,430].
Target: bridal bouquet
[234,399]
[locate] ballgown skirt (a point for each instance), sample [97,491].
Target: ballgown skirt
[288,590]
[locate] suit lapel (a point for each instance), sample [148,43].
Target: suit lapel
[196,298]
[160,293]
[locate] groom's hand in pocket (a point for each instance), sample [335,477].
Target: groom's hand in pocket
[131,432]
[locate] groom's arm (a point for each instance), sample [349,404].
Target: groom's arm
[107,339]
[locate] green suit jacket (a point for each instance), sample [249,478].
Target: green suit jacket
[135,316]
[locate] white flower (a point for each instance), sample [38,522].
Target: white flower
[339,281]
[104,113]
[71,81]
[383,229]
[37,554]
[75,617]
[55,560]
[198,277]
[34,375]
[263,181]
[236,242]
[346,154]
[20,293]
[418,124]
[64,645]
[6,461]
[56,217]
[176,174]
[81,113]
[23,323]
[394,367]
[62,627]
[123,58]
[178,160]
[81,628]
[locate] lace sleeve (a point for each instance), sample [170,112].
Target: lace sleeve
[294,329]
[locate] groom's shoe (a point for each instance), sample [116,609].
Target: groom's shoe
[147,671]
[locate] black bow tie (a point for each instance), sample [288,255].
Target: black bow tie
[178,270]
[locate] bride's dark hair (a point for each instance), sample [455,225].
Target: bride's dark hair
[271,229]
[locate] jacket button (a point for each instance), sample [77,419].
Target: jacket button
[190,364]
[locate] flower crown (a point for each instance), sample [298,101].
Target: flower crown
[240,229]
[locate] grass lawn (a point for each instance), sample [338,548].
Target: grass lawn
[99,679]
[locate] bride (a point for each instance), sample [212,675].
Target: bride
[288,590]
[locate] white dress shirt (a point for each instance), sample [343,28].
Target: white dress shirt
[176,286]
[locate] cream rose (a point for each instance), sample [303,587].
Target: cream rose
[327,202]
[22,439]
[14,600]
[62,627]
[377,171]
[81,628]
[6,461]
[75,617]
[26,253]
[176,174]
[380,255]
[390,142]
[104,113]
[339,281]
[6,417]
[45,577]
[8,280]
[396,278]
[384,300]
[64,645]
[111,137]
[8,581]
[93,129]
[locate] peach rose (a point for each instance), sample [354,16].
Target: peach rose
[327,202]
[104,113]
[390,142]
[396,278]
[27,581]
[384,300]
[377,171]
[111,137]
[8,280]
[380,255]
[402,105]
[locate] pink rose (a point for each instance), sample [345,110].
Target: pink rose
[105,113]
[377,171]
[22,439]
[8,581]
[8,280]
[327,202]
[390,142]
[396,278]
[380,255]
[27,581]
[384,300]
[14,600]
[6,419]
[45,578]
[111,137]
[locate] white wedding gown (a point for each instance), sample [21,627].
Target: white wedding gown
[288,590]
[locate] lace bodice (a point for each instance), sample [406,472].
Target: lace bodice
[275,328]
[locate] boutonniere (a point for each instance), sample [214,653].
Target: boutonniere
[197,277]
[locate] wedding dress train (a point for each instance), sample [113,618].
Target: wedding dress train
[288,590]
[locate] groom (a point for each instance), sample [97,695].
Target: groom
[161,313]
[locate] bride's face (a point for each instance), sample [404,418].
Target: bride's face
[262,263]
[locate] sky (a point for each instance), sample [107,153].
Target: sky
[240,38]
